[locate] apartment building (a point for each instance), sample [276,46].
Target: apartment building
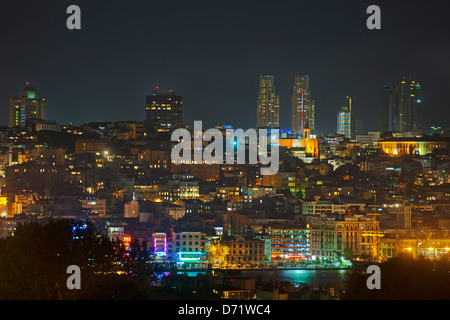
[336,236]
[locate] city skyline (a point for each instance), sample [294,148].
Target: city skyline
[400,109]
[224,150]
[91,74]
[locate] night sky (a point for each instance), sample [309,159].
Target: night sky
[213,52]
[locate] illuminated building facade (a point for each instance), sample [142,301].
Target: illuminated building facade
[47,126]
[27,107]
[310,145]
[126,242]
[115,232]
[302,106]
[176,189]
[333,234]
[252,194]
[126,130]
[94,206]
[3,206]
[304,146]
[283,181]
[344,119]
[159,244]
[412,146]
[245,251]
[431,248]
[156,159]
[131,209]
[289,242]
[175,211]
[189,247]
[318,207]
[268,104]
[164,109]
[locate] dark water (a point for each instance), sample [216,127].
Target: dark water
[311,277]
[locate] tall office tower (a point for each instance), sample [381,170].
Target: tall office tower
[408,95]
[302,106]
[26,108]
[415,100]
[268,104]
[388,109]
[164,109]
[344,121]
[400,106]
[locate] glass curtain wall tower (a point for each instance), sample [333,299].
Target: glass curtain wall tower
[302,106]
[268,104]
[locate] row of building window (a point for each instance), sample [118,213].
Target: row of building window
[248,259]
[190,243]
[247,252]
[247,245]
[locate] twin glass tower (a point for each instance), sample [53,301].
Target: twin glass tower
[302,106]
[400,106]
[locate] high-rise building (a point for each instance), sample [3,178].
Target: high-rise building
[302,106]
[26,108]
[164,109]
[388,108]
[268,104]
[344,122]
[408,92]
[400,106]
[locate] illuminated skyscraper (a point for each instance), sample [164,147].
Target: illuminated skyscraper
[268,104]
[344,122]
[164,109]
[408,92]
[302,106]
[400,106]
[26,108]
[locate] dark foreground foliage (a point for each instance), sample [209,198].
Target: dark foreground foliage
[403,278]
[34,261]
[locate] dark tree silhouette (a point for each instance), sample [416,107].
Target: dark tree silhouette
[403,278]
[34,261]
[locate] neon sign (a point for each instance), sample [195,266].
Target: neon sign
[159,244]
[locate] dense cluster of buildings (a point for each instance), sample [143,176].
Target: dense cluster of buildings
[335,199]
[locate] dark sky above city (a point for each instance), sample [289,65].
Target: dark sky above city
[213,52]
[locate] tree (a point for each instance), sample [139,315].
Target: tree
[289,162]
[348,254]
[217,253]
[403,278]
[34,261]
